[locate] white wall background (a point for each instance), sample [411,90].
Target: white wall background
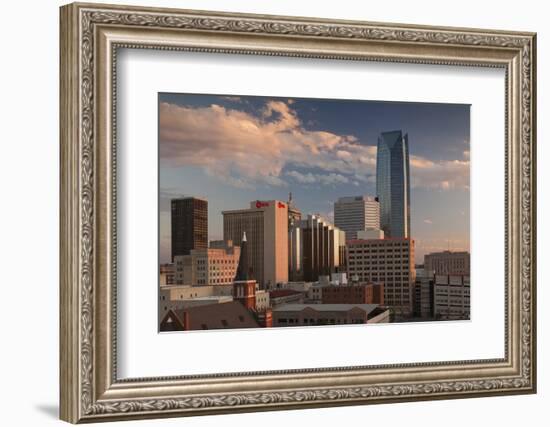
[29,170]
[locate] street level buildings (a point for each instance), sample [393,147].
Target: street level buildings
[452,297]
[321,249]
[285,296]
[266,226]
[389,261]
[178,296]
[328,314]
[167,274]
[393,184]
[189,223]
[216,265]
[229,315]
[354,214]
[447,262]
[353,294]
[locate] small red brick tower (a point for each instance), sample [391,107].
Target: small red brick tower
[244,286]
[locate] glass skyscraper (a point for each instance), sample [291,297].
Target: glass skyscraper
[393,183]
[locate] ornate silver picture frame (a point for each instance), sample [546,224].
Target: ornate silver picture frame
[91,36]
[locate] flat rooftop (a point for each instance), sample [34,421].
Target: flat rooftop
[326,307]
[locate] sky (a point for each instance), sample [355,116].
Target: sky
[234,149]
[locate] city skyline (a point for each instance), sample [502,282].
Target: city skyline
[233,150]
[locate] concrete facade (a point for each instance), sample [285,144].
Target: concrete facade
[447,262]
[452,297]
[358,213]
[167,274]
[389,261]
[320,249]
[207,267]
[424,297]
[266,227]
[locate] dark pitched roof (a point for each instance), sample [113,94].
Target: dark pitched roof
[244,270]
[227,315]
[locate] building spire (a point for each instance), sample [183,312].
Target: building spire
[243,270]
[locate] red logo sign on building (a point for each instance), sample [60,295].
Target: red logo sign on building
[260,204]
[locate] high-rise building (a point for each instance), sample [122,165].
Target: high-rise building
[424,298]
[389,261]
[393,183]
[294,214]
[447,262]
[189,217]
[266,226]
[214,266]
[294,241]
[320,249]
[354,214]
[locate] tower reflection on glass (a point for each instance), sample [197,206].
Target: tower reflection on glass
[393,183]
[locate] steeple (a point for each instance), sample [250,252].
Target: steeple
[243,270]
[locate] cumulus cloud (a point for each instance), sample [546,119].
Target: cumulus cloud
[244,149]
[274,148]
[324,179]
[443,175]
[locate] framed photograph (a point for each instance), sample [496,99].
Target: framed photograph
[266,212]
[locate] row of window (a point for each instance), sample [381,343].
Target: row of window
[321,321]
[377,247]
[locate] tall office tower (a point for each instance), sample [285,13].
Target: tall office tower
[266,227]
[189,225]
[393,183]
[294,241]
[447,262]
[320,249]
[389,261]
[359,213]
[294,214]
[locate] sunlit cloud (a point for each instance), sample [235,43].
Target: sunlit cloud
[443,175]
[274,148]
